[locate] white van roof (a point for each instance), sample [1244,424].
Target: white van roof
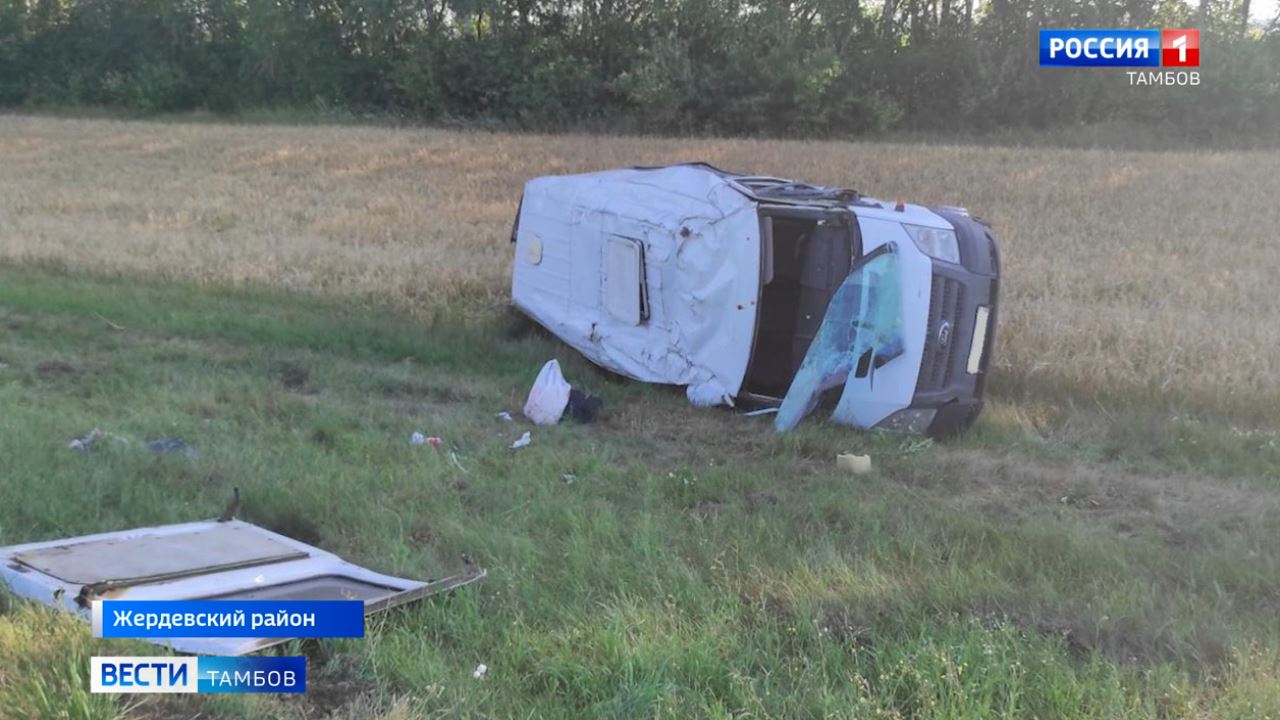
[653,273]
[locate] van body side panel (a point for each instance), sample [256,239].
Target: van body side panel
[700,247]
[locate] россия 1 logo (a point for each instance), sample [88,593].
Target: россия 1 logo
[1126,48]
[1180,48]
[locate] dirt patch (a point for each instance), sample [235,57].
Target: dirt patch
[767,608]
[662,430]
[326,438]
[288,522]
[851,625]
[55,369]
[1143,640]
[411,390]
[761,499]
[166,707]
[515,325]
[294,377]
[1181,508]
[422,536]
[334,685]
[708,506]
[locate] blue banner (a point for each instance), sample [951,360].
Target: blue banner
[228,618]
[1099,48]
[252,675]
[204,674]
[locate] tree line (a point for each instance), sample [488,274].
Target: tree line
[757,67]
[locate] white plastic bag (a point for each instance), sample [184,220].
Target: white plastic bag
[548,396]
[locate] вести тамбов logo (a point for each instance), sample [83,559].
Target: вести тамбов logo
[1177,51]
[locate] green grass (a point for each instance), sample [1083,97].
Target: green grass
[1058,562]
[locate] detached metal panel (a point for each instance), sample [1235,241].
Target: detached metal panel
[201,561]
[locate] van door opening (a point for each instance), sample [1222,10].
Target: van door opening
[806,253]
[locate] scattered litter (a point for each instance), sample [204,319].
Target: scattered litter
[583,407]
[481,669]
[761,411]
[114,326]
[418,440]
[856,464]
[548,397]
[454,457]
[171,445]
[86,443]
[524,440]
[164,446]
[551,395]
[504,415]
[568,478]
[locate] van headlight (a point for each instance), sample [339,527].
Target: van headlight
[935,243]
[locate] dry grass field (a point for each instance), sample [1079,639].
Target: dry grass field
[1128,276]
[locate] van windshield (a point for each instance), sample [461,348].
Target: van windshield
[861,331]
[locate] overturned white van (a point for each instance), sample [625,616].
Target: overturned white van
[745,286]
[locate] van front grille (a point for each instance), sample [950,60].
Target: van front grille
[945,301]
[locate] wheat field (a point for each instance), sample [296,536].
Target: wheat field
[1128,276]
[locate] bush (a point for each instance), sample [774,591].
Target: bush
[818,68]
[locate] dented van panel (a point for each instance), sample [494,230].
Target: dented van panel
[734,285]
[682,245]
